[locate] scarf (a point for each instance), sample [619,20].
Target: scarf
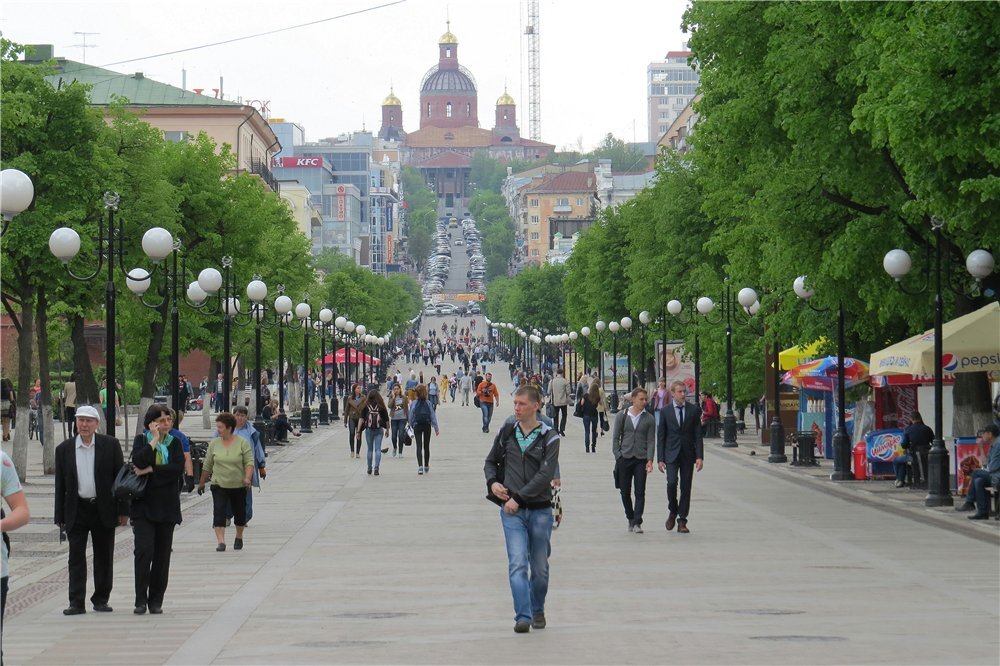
[162,449]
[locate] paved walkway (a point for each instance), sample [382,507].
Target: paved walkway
[339,567]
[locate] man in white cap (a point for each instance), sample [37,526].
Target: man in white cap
[86,467]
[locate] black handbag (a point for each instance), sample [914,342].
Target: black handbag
[578,410]
[550,410]
[128,485]
[605,426]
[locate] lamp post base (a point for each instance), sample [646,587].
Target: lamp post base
[729,431]
[777,454]
[306,420]
[324,413]
[334,408]
[938,490]
[841,457]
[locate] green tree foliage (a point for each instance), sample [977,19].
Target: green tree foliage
[623,157]
[421,216]
[534,298]
[382,304]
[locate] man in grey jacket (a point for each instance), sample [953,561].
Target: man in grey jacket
[559,390]
[633,442]
[519,471]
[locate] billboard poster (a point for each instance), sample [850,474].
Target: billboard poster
[970,455]
[678,366]
[609,375]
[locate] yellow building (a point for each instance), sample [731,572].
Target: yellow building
[562,203]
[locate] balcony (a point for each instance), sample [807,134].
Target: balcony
[562,208]
[260,168]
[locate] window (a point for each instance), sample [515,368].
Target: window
[562,202]
[428,109]
[656,89]
[664,115]
[468,110]
[534,219]
[447,52]
[534,235]
[176,137]
[447,110]
[533,203]
[579,201]
[663,129]
[534,252]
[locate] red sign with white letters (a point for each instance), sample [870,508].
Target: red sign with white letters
[292,162]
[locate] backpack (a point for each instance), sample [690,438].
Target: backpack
[422,413]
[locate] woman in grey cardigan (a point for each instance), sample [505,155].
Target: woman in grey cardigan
[633,442]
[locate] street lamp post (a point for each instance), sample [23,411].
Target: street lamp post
[64,243]
[283,308]
[626,323]
[600,327]
[676,310]
[16,194]
[841,442]
[585,332]
[325,317]
[303,310]
[614,327]
[644,320]
[573,336]
[897,264]
[777,454]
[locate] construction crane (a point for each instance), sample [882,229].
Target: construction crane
[534,72]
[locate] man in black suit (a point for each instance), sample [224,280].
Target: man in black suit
[86,467]
[679,448]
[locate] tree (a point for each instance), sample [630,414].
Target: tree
[623,157]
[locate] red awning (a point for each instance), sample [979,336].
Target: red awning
[356,356]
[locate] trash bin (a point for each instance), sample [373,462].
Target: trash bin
[860,462]
[806,441]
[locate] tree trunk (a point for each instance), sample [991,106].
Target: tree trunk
[87,392]
[145,402]
[48,431]
[152,365]
[24,353]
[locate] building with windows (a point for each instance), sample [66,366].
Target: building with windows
[671,84]
[679,133]
[561,203]
[180,114]
[449,133]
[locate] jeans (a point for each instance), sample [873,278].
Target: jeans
[434,401]
[374,438]
[398,428]
[899,466]
[589,431]
[487,408]
[977,491]
[632,471]
[452,392]
[527,535]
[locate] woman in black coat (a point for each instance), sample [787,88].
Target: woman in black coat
[154,515]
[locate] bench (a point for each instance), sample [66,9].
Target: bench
[296,421]
[993,496]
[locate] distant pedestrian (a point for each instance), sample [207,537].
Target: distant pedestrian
[422,418]
[466,387]
[519,470]
[399,412]
[374,424]
[588,410]
[559,394]
[489,399]
[633,443]
[69,403]
[352,414]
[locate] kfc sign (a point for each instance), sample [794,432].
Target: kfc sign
[291,162]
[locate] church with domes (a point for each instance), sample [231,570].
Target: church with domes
[450,134]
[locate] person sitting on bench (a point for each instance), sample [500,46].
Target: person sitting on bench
[282,427]
[976,498]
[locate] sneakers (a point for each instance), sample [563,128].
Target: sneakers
[369,471]
[420,470]
[638,529]
[899,484]
[376,471]
[975,516]
[631,527]
[968,506]
[522,627]
[538,622]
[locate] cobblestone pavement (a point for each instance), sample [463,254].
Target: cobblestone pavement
[781,567]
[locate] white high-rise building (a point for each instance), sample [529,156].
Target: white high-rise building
[671,83]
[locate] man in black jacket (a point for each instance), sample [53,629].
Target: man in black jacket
[679,450]
[519,472]
[86,467]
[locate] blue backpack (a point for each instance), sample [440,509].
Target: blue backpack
[422,413]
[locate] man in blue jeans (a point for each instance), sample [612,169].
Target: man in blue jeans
[976,498]
[519,469]
[489,398]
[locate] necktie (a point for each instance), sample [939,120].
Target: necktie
[680,415]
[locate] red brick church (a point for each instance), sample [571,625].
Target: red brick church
[449,131]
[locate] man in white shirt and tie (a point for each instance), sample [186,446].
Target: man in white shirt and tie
[86,467]
[679,451]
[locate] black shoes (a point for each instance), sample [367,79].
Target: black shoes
[522,627]
[102,608]
[140,609]
[74,610]
[155,610]
[968,506]
[221,547]
[538,622]
[979,516]
[237,545]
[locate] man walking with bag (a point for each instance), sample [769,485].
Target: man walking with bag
[519,471]
[559,390]
[86,467]
[633,442]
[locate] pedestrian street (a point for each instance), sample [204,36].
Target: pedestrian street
[342,567]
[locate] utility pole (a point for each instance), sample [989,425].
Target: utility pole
[84,45]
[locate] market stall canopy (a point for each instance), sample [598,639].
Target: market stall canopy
[356,357]
[821,375]
[799,355]
[971,343]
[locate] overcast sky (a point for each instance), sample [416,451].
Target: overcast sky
[331,77]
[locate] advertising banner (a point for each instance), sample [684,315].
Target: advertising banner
[970,455]
[292,162]
[678,366]
[882,447]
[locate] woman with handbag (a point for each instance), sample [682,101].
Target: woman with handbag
[229,462]
[375,425]
[7,405]
[589,407]
[160,455]
[399,412]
